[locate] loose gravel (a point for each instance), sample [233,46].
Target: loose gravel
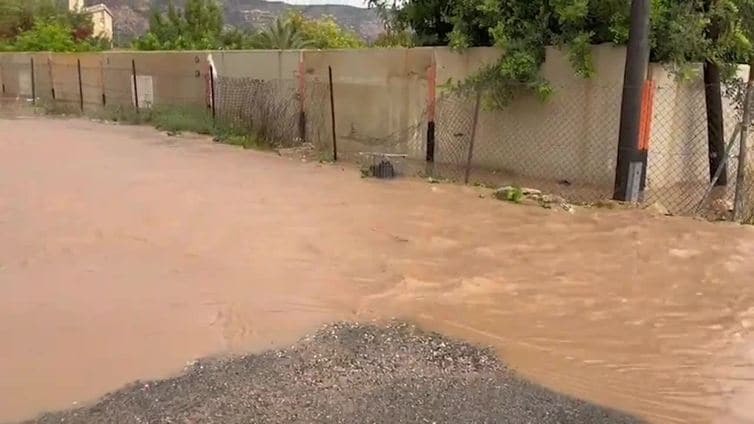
[346,373]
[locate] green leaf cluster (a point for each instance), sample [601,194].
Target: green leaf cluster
[324,32]
[523,29]
[44,25]
[199,26]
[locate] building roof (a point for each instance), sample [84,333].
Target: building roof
[98,8]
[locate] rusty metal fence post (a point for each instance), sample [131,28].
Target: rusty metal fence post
[212,91]
[102,82]
[332,117]
[50,76]
[431,115]
[136,85]
[33,84]
[81,86]
[474,122]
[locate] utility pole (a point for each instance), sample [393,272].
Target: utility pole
[631,164]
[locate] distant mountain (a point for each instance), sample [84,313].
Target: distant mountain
[131,17]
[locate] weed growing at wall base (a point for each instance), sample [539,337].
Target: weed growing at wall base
[172,119]
[177,119]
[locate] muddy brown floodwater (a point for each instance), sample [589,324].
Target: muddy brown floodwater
[125,253]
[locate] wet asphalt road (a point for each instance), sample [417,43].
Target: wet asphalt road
[346,373]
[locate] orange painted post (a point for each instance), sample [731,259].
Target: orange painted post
[645,125]
[648,106]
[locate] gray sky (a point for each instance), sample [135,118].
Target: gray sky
[357,3]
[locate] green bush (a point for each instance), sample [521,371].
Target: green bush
[177,119]
[123,115]
[173,119]
[53,36]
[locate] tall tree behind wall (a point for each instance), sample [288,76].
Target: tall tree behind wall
[684,32]
[17,16]
[198,26]
[714,104]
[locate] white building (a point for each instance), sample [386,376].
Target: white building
[101,16]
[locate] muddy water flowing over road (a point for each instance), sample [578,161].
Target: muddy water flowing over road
[124,254]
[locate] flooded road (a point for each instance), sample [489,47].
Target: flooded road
[125,254]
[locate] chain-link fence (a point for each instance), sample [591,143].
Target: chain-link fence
[16,87]
[367,122]
[267,112]
[271,110]
[565,146]
[693,161]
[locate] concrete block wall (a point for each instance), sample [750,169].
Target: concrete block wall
[260,87]
[177,78]
[383,98]
[572,136]
[262,64]
[380,98]
[15,74]
[60,72]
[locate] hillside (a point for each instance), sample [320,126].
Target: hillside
[131,17]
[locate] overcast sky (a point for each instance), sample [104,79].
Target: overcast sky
[357,3]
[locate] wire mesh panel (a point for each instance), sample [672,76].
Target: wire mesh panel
[16,92]
[680,168]
[453,127]
[366,122]
[565,146]
[316,120]
[268,109]
[17,80]
[119,87]
[747,189]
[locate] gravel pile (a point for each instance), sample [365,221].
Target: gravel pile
[346,373]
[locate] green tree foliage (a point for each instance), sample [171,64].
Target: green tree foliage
[44,25]
[745,10]
[324,33]
[396,38]
[48,36]
[282,34]
[236,39]
[746,30]
[522,29]
[18,16]
[199,26]
[430,20]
